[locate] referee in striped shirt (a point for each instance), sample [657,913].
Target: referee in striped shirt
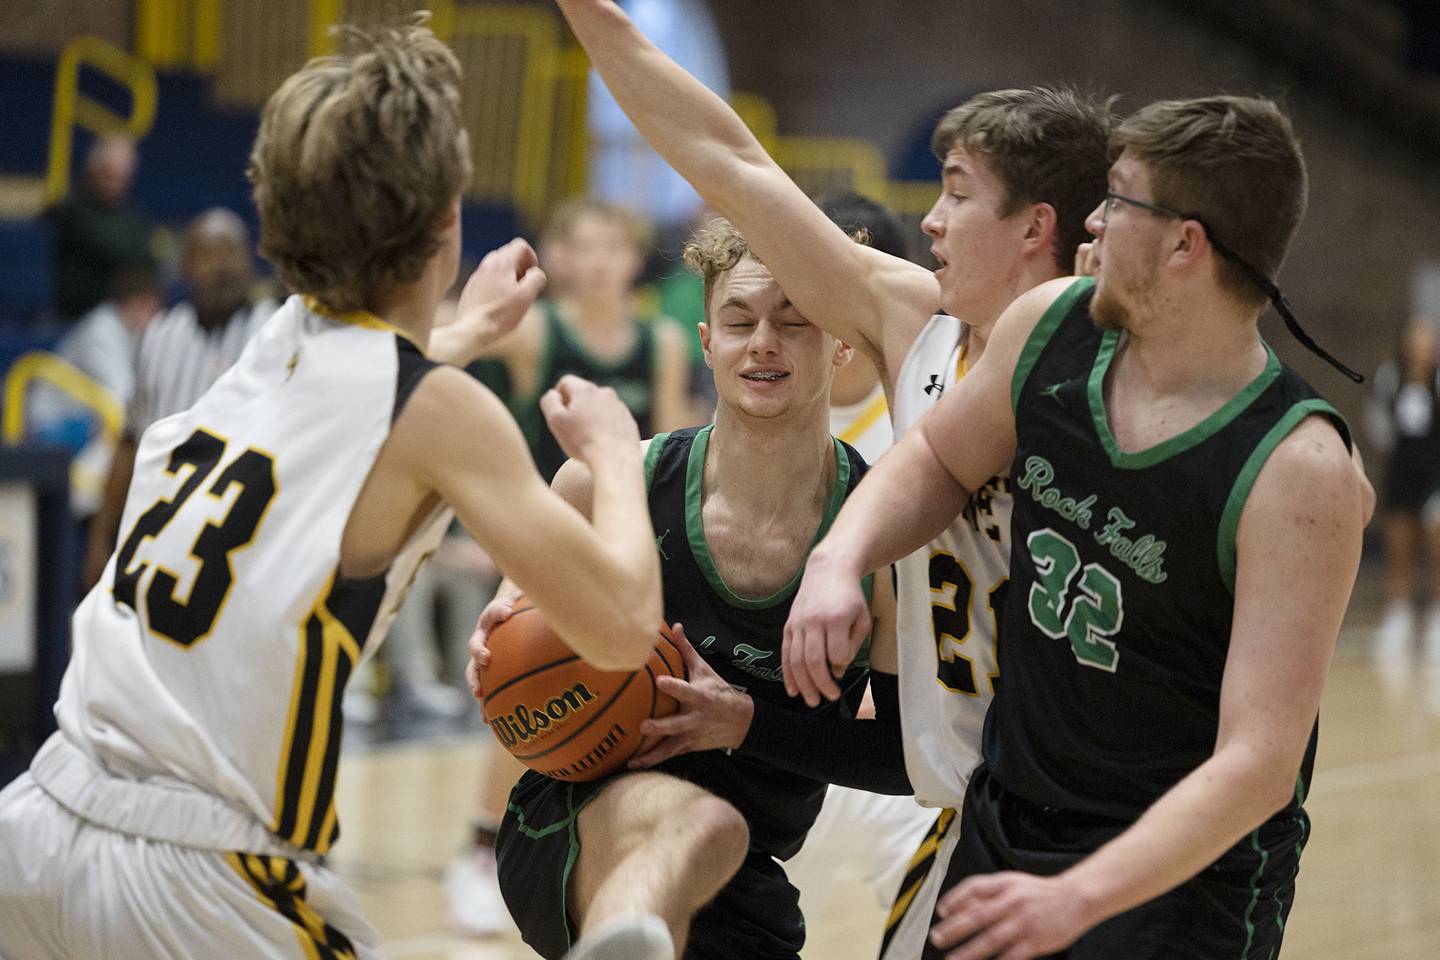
[182,352]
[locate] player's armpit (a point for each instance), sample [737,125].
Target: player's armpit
[1297,551]
[601,594]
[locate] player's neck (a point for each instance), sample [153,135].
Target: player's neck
[983,321]
[771,466]
[1192,344]
[411,309]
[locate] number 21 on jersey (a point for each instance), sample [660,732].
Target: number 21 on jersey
[952,591]
[189,619]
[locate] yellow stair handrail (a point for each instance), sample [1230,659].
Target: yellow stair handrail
[42,366]
[72,109]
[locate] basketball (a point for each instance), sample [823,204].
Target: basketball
[559,715]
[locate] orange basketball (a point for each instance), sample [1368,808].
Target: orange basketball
[559,715]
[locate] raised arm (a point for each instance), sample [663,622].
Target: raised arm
[912,494]
[1297,550]
[598,583]
[873,301]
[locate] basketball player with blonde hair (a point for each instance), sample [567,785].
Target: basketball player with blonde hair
[1020,170]
[684,858]
[271,531]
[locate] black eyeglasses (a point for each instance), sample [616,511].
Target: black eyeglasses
[1266,285]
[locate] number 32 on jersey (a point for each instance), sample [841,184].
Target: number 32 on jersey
[187,619]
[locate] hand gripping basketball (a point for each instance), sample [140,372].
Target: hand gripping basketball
[555,713]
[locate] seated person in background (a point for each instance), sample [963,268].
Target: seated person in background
[98,230]
[101,346]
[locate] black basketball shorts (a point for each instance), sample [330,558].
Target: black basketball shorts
[1233,910]
[756,915]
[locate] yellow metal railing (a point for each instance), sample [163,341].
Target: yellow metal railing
[41,366]
[72,108]
[524,92]
[87,472]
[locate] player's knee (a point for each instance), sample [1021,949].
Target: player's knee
[720,828]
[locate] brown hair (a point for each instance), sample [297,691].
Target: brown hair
[717,247]
[1235,163]
[1046,144]
[636,228]
[358,160]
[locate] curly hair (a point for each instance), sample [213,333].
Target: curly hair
[357,162]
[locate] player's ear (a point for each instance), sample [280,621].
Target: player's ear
[844,353]
[704,329]
[1190,245]
[1040,226]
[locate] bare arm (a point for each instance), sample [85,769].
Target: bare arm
[604,599]
[672,380]
[873,301]
[1298,548]
[910,496]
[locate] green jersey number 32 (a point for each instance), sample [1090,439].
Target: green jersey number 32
[1068,601]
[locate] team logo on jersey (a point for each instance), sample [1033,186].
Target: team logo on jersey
[1145,555]
[525,723]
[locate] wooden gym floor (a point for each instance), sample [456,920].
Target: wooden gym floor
[1369,883]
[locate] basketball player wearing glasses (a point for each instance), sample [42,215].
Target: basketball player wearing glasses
[684,859]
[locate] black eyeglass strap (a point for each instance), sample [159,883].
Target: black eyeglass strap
[1282,306]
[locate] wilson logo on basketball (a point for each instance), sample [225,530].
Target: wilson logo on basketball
[524,723]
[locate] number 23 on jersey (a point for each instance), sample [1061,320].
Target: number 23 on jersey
[187,619]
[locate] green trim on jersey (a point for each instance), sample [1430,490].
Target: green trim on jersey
[1199,433]
[652,456]
[695,523]
[1254,892]
[1240,492]
[1040,336]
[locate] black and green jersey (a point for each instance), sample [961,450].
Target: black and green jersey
[631,376]
[740,638]
[1122,568]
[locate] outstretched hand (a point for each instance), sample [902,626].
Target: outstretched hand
[495,299]
[713,715]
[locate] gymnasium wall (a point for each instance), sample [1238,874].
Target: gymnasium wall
[1373,206]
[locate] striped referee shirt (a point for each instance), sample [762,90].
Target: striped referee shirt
[177,360]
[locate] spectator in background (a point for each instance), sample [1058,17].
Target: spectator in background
[590,329]
[102,345]
[183,352]
[1403,418]
[98,230]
